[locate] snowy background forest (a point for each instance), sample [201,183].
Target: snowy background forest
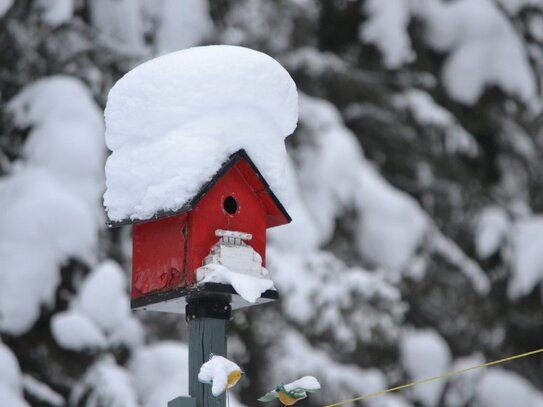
[416,192]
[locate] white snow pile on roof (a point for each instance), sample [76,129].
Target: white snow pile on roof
[100,314]
[250,288]
[425,354]
[215,372]
[54,192]
[527,257]
[173,121]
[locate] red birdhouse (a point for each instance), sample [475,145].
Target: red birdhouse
[226,220]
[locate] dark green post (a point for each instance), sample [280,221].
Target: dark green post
[208,321]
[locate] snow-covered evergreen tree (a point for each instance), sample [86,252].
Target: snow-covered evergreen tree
[415,190]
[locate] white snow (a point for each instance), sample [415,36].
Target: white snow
[74,331]
[173,121]
[129,333]
[5,5]
[306,382]
[484,49]
[390,225]
[215,372]
[120,24]
[99,316]
[50,200]
[501,388]
[67,133]
[490,387]
[56,12]
[159,372]
[513,7]
[535,26]
[386,28]
[100,313]
[296,357]
[42,225]
[150,27]
[424,354]
[11,388]
[10,398]
[482,45]
[527,264]
[103,297]
[313,61]
[348,303]
[428,113]
[302,234]
[42,392]
[73,102]
[445,247]
[10,372]
[73,152]
[178,24]
[461,388]
[248,287]
[105,384]
[491,228]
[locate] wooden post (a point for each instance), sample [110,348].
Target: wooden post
[208,321]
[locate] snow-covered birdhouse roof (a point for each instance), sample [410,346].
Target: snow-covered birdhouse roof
[276,214]
[174,123]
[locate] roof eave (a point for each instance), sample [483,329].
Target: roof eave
[187,206]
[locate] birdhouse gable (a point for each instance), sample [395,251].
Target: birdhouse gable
[243,168]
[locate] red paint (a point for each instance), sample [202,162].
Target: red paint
[168,251]
[158,260]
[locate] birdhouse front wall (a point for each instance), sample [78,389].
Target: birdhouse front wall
[231,204]
[159,255]
[167,252]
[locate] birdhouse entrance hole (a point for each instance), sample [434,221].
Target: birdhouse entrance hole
[230,205]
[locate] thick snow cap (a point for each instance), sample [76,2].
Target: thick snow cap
[173,121]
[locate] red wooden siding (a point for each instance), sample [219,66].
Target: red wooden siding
[158,255]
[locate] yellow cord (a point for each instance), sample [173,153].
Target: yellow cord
[456,372]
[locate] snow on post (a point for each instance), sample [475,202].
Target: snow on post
[221,373]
